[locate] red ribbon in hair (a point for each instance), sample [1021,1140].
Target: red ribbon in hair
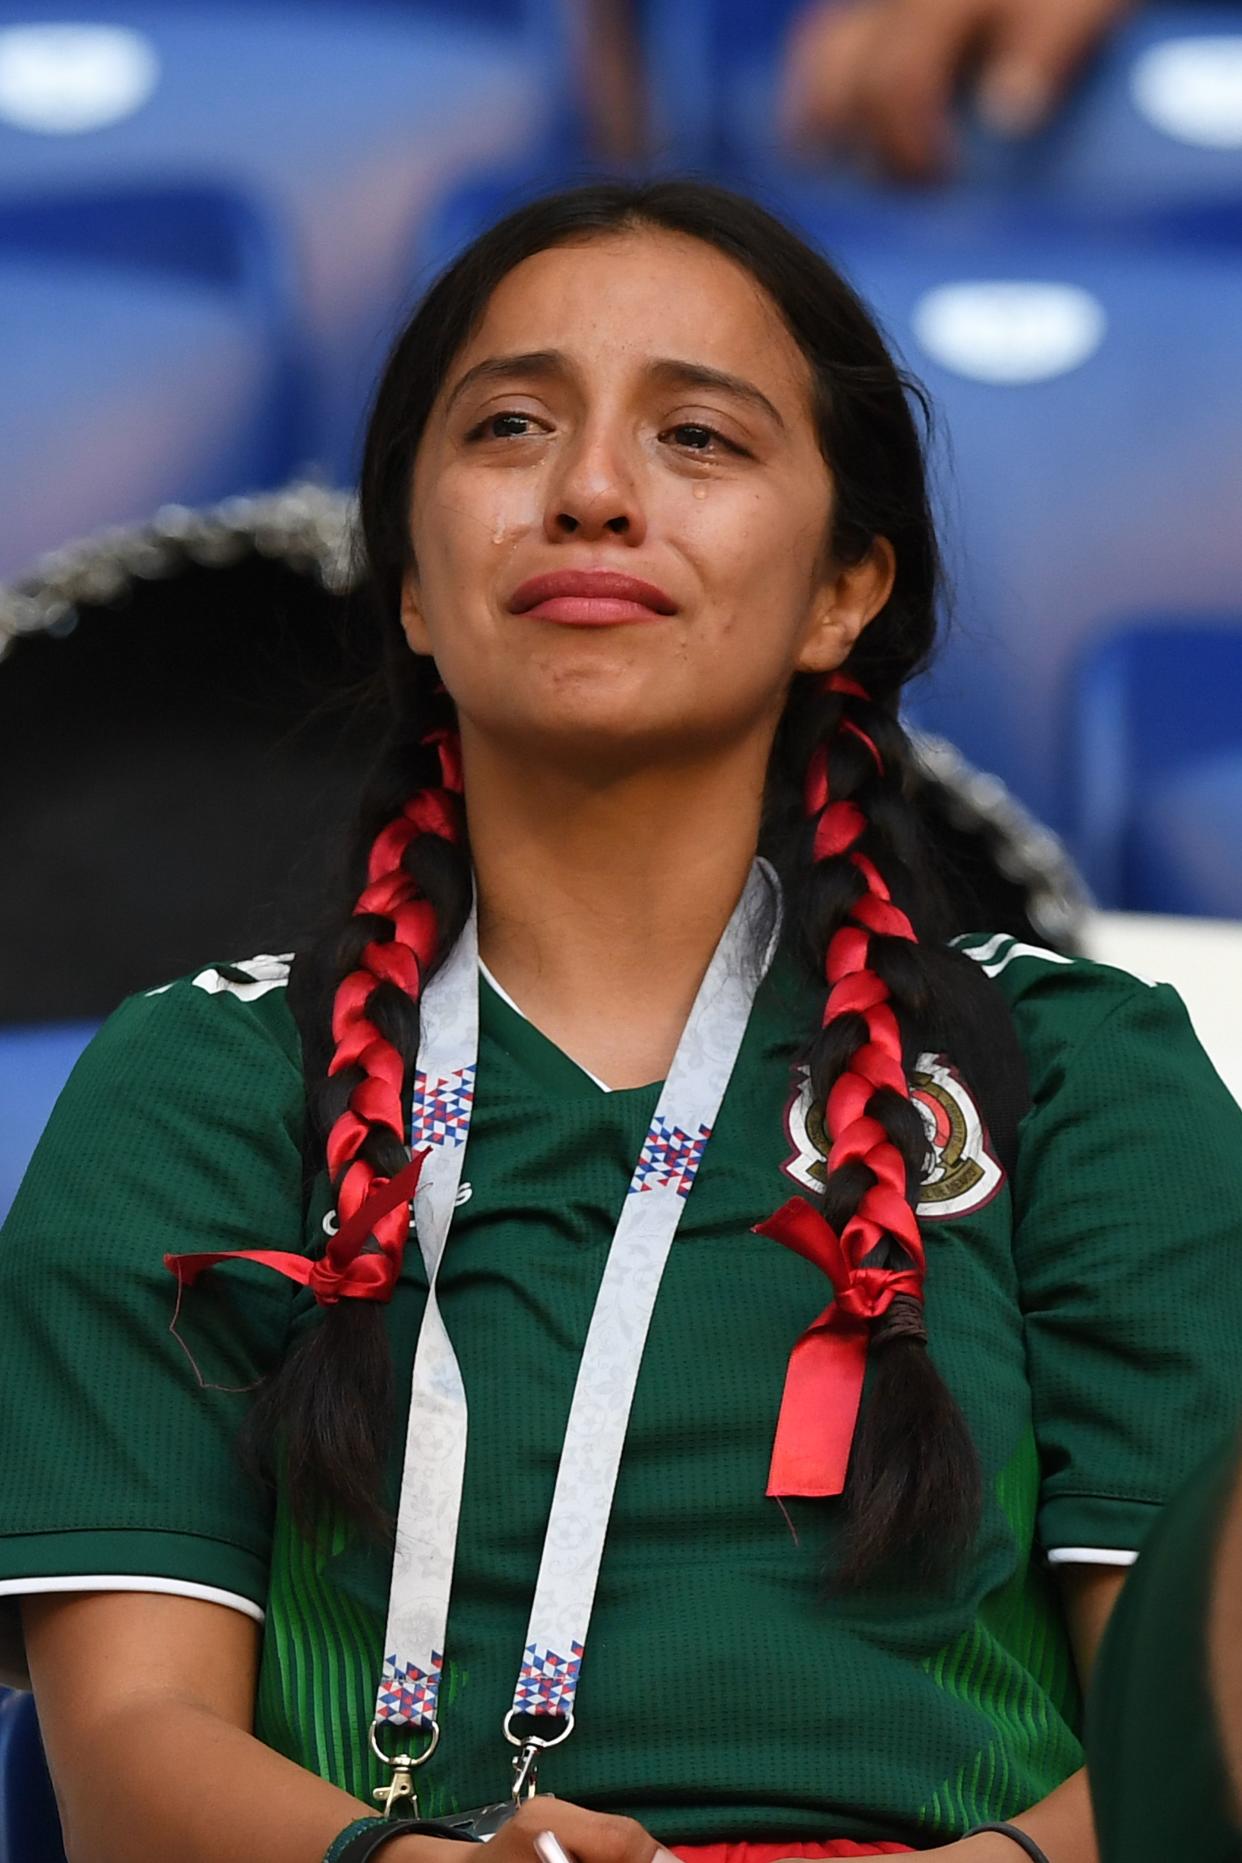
[824,1380]
[342,1271]
[370,1204]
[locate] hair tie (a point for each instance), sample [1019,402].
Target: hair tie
[904,1320]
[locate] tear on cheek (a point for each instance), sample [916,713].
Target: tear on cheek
[508,527]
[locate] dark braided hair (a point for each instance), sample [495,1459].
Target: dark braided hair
[865,913]
[872,922]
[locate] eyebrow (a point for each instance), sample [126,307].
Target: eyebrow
[538,362]
[699,375]
[670,370]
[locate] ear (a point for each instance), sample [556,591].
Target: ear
[412,623]
[845,602]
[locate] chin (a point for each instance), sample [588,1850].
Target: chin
[604,710]
[608,700]
[587,728]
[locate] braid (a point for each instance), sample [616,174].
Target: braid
[366,1142]
[329,1406]
[870,1118]
[913,1482]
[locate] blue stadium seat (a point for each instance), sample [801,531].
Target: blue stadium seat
[34,1065]
[1156,748]
[153,357]
[338,121]
[29,1825]
[1153,135]
[122,390]
[713,71]
[1185,844]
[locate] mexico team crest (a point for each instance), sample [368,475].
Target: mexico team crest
[960,1172]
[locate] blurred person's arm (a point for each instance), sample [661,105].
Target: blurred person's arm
[1225,1645]
[609,70]
[878,79]
[1164,1718]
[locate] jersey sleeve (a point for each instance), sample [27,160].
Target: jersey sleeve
[179,1130]
[1128,1245]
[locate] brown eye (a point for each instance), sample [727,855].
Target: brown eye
[492,429]
[697,437]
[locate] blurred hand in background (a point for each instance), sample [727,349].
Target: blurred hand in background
[879,80]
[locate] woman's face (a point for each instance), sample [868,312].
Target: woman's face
[634,404]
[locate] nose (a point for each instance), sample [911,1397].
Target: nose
[595,491]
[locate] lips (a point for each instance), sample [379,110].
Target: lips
[590,597]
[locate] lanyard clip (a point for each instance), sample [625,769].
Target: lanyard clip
[526,1759]
[400,1788]
[526,1772]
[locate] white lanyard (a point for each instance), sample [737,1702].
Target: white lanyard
[435,1450]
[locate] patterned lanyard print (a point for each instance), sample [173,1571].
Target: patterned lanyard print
[435,1450]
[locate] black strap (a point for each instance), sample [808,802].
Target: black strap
[367,1842]
[1014,1835]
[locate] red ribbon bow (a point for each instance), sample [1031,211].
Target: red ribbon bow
[368,1203]
[824,1379]
[341,1271]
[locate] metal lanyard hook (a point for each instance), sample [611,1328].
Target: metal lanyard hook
[526,1759]
[400,1788]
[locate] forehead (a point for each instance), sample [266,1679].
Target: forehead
[616,299]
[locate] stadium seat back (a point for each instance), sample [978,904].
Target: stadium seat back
[713,71]
[29,1824]
[35,1063]
[1155,746]
[195,230]
[1152,135]
[154,354]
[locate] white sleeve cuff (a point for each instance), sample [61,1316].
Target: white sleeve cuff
[1090,1555]
[125,1581]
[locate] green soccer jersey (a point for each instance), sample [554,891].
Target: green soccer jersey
[1085,1313]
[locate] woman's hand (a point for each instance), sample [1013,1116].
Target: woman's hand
[588,1836]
